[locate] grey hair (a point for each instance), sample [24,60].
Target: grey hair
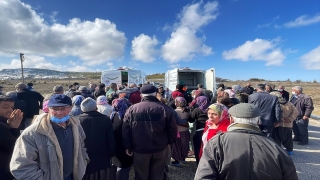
[298,88]
[253,121]
[132,85]
[151,94]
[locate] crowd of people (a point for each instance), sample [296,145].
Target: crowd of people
[100,132]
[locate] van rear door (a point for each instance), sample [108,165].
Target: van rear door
[210,80]
[134,76]
[173,79]
[111,76]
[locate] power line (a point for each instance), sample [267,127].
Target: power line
[9,52]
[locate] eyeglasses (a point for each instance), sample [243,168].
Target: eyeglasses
[60,108]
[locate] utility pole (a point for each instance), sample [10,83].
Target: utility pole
[22,59]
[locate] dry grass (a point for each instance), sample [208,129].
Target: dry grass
[46,86]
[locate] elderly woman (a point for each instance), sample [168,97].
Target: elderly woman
[218,122]
[232,97]
[76,102]
[102,106]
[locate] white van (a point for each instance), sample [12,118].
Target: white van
[190,77]
[121,76]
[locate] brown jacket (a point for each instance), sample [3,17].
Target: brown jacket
[289,114]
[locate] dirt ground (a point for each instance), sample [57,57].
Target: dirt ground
[45,86]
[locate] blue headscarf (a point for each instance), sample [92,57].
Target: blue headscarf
[119,106]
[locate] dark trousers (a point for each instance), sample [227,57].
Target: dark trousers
[283,135]
[150,166]
[300,130]
[197,140]
[267,130]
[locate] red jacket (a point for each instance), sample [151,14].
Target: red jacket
[222,127]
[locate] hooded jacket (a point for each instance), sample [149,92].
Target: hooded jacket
[37,153]
[244,153]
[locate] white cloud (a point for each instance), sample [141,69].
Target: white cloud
[259,49]
[41,63]
[23,30]
[172,66]
[303,20]
[311,60]
[268,24]
[184,43]
[143,48]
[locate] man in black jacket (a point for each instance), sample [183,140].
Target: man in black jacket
[269,107]
[33,99]
[244,152]
[9,122]
[285,94]
[100,142]
[148,128]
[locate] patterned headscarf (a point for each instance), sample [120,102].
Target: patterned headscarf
[203,103]
[102,100]
[45,106]
[196,94]
[230,92]
[76,100]
[119,106]
[220,109]
[180,102]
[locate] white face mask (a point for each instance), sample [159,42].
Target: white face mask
[294,93]
[194,96]
[280,90]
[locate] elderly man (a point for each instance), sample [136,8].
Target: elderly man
[148,128]
[52,147]
[33,99]
[244,152]
[284,93]
[269,107]
[9,122]
[58,89]
[133,93]
[304,105]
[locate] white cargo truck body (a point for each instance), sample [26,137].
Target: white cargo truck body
[120,76]
[190,77]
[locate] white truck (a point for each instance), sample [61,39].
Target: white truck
[121,76]
[190,77]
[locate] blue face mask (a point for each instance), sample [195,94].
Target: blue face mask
[59,120]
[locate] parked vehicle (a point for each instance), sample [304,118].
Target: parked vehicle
[121,76]
[190,77]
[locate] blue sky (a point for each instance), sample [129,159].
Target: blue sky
[241,39]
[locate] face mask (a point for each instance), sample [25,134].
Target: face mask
[194,96]
[59,120]
[280,90]
[294,93]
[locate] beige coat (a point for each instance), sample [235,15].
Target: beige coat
[289,114]
[37,153]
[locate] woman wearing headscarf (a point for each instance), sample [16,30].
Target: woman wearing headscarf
[232,97]
[121,160]
[180,148]
[199,116]
[195,94]
[102,106]
[218,122]
[76,102]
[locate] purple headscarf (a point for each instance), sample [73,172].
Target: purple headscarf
[203,103]
[119,106]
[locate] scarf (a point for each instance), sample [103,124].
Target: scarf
[203,103]
[196,94]
[102,100]
[118,106]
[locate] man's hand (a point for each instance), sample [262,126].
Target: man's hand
[129,152]
[15,118]
[305,117]
[276,124]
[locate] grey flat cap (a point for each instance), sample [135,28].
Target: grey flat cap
[244,110]
[21,86]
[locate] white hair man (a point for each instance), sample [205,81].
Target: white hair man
[244,152]
[148,128]
[304,105]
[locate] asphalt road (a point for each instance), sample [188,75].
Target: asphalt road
[307,158]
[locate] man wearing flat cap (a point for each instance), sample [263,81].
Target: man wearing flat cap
[52,147]
[33,100]
[244,152]
[148,128]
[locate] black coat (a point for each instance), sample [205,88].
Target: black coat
[244,153]
[121,159]
[34,101]
[8,137]
[20,104]
[269,107]
[98,93]
[285,94]
[99,140]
